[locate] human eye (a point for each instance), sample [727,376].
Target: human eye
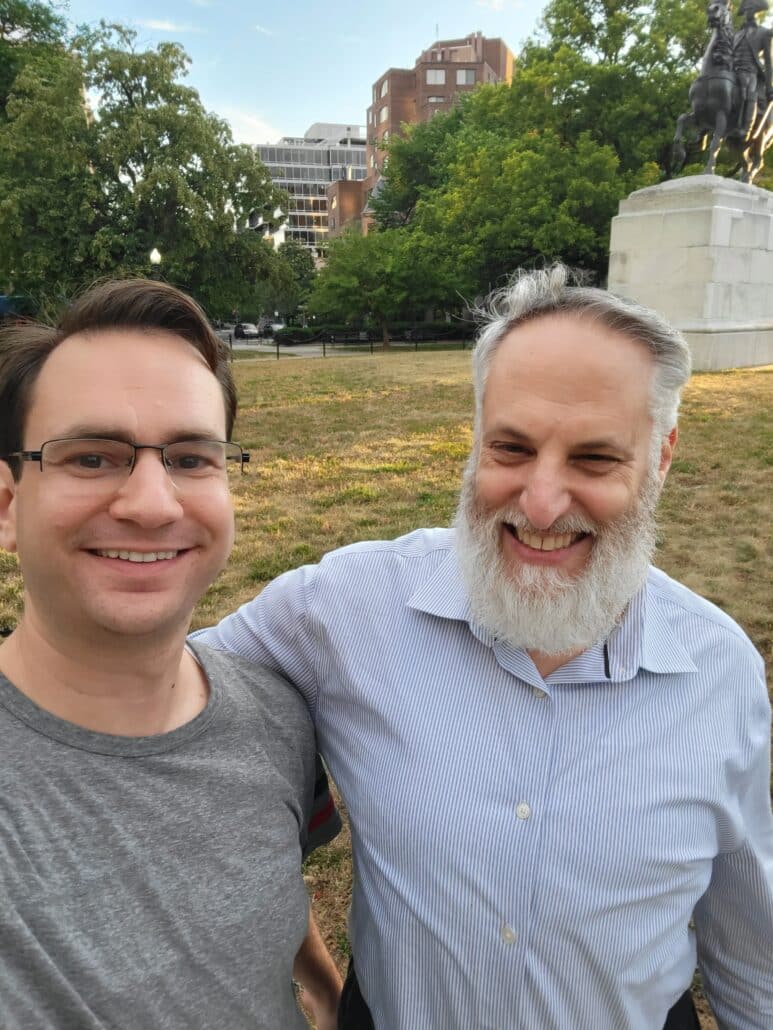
[195,457]
[597,462]
[508,450]
[87,458]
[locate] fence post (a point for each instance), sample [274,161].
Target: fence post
[324,346]
[277,347]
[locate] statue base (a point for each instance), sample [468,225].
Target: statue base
[700,251]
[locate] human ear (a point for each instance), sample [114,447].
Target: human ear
[7,508]
[667,445]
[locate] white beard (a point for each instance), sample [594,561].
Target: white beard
[544,609]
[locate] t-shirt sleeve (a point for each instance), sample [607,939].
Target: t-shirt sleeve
[325,820]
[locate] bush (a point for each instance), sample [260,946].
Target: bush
[297,334]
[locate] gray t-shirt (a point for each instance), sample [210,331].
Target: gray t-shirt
[155,882]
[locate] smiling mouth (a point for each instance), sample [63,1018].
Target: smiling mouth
[545,541]
[138,556]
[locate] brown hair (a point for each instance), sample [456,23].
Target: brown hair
[112,304]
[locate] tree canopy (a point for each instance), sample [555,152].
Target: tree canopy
[532,171]
[106,154]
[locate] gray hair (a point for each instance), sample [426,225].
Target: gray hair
[550,291]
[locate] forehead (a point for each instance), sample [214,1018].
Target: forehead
[573,361]
[125,378]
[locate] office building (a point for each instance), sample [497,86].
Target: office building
[305,167]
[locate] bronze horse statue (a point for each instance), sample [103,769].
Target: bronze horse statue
[717,102]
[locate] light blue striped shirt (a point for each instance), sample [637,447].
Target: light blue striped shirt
[528,853]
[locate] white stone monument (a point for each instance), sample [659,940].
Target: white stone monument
[700,251]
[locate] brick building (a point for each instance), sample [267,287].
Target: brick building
[449,68]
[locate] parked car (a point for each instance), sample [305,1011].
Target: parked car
[245,331]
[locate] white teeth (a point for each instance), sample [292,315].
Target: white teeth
[545,543]
[139,556]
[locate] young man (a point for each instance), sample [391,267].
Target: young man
[556,760]
[154,798]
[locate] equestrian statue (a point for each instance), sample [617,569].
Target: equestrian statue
[732,98]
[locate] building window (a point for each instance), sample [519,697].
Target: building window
[436,76]
[465,77]
[435,100]
[383,114]
[384,87]
[385,137]
[334,203]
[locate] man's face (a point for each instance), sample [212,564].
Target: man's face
[145,387]
[557,511]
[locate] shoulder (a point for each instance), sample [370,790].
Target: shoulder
[250,684]
[421,548]
[382,568]
[699,624]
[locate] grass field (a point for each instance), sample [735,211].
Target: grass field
[372,446]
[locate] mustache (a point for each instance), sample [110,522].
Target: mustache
[564,524]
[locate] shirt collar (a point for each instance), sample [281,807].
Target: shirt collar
[642,639]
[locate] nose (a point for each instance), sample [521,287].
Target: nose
[148,496]
[545,496]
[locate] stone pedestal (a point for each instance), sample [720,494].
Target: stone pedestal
[700,251]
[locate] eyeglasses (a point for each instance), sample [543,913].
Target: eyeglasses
[111,461]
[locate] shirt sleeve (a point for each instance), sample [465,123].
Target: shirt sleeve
[734,918]
[272,630]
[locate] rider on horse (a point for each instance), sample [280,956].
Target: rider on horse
[753,74]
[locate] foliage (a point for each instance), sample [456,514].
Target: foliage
[301,273]
[27,28]
[375,277]
[49,200]
[86,194]
[534,170]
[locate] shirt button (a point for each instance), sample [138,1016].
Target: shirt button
[508,934]
[539,693]
[523,810]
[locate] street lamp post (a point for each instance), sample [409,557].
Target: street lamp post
[155,263]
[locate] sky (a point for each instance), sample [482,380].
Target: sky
[273,69]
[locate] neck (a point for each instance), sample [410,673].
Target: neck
[132,687]
[547,663]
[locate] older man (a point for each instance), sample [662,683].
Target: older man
[554,757]
[154,799]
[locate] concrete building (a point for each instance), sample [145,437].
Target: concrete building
[305,167]
[441,74]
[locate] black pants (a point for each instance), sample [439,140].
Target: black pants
[354,1014]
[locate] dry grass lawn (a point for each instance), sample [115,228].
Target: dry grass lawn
[372,446]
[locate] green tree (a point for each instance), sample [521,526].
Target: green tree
[172,176]
[303,272]
[374,277]
[49,197]
[535,169]
[27,28]
[87,192]
[509,203]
